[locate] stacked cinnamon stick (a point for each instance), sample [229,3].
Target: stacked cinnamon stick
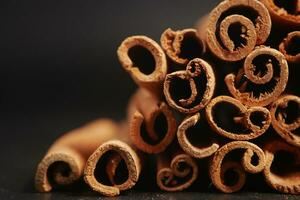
[222,93]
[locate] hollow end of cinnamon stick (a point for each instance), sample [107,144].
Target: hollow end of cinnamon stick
[286,118]
[262,79]
[183,45]
[152,124]
[190,126]
[229,175]
[282,166]
[234,27]
[177,172]
[64,162]
[190,90]
[290,47]
[112,168]
[145,61]
[229,118]
[284,13]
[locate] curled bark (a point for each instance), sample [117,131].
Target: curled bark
[285,114]
[230,176]
[282,170]
[206,150]
[201,85]
[151,122]
[262,79]
[183,45]
[145,61]
[234,27]
[290,47]
[285,13]
[245,123]
[120,152]
[64,162]
[176,173]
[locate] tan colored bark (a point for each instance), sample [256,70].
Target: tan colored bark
[280,114]
[291,43]
[195,68]
[68,154]
[219,166]
[187,146]
[176,172]
[144,110]
[286,176]
[183,45]
[153,81]
[252,74]
[255,32]
[243,117]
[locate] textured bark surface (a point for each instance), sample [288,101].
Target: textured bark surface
[253,28]
[175,173]
[68,154]
[152,124]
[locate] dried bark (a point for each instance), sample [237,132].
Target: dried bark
[152,123]
[282,166]
[206,150]
[219,167]
[290,47]
[200,76]
[175,173]
[254,121]
[145,61]
[64,162]
[285,114]
[255,85]
[234,27]
[183,45]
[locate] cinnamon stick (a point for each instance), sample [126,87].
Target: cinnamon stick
[247,123]
[119,151]
[262,79]
[152,123]
[285,13]
[175,173]
[145,61]
[290,47]
[190,98]
[234,27]
[229,175]
[206,150]
[183,45]
[64,162]
[285,114]
[282,166]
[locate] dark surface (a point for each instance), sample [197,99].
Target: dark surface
[59,70]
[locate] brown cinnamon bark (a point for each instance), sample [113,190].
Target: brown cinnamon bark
[201,79]
[285,114]
[120,150]
[145,61]
[283,12]
[64,162]
[229,175]
[195,151]
[152,123]
[256,120]
[290,47]
[234,27]
[262,79]
[175,173]
[282,170]
[183,45]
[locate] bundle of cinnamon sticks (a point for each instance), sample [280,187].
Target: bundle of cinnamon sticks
[225,93]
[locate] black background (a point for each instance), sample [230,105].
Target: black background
[59,70]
